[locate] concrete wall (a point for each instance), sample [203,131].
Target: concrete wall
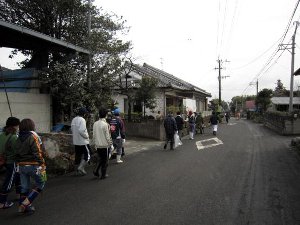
[27,105]
[149,129]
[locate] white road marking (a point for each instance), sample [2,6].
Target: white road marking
[231,124]
[200,145]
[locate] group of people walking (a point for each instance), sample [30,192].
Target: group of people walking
[22,154]
[195,123]
[108,135]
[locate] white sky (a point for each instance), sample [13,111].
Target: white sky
[185,38]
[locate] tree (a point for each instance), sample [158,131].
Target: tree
[280,90]
[67,20]
[263,99]
[146,92]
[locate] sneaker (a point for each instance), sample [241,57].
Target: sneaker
[120,161]
[96,174]
[7,205]
[81,172]
[103,177]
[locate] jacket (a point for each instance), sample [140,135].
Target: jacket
[29,149]
[79,131]
[116,128]
[170,125]
[9,153]
[101,134]
[179,122]
[214,119]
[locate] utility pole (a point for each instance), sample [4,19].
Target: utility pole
[219,68]
[285,47]
[255,83]
[292,69]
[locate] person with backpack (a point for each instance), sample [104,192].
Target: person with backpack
[7,153]
[117,133]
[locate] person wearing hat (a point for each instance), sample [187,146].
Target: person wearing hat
[81,140]
[7,151]
[117,133]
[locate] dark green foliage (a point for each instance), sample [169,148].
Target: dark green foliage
[263,99]
[67,74]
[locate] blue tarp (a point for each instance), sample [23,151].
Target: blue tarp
[16,80]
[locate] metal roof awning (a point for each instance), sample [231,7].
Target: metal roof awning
[285,100]
[14,36]
[297,72]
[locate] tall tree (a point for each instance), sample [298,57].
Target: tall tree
[280,90]
[146,92]
[67,20]
[263,99]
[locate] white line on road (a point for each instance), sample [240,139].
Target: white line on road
[200,144]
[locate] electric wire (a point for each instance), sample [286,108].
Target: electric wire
[264,70]
[219,13]
[231,27]
[223,27]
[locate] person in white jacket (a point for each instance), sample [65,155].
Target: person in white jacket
[81,141]
[103,142]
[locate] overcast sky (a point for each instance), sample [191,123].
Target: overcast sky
[186,38]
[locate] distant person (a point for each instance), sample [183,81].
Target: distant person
[192,124]
[103,142]
[214,120]
[81,141]
[227,116]
[7,151]
[30,159]
[199,123]
[170,129]
[117,133]
[159,116]
[179,124]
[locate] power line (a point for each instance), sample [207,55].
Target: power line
[223,28]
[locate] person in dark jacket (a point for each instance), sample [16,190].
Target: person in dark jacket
[179,124]
[214,120]
[117,133]
[170,129]
[30,159]
[192,124]
[7,150]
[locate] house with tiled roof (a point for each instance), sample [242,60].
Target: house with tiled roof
[172,93]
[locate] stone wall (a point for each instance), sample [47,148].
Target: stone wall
[285,125]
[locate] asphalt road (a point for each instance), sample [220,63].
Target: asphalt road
[248,175]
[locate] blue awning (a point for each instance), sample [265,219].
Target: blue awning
[17,80]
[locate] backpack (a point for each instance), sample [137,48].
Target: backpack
[116,128]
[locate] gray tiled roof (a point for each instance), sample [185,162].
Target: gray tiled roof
[167,80]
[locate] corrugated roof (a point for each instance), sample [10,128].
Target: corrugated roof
[285,100]
[15,36]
